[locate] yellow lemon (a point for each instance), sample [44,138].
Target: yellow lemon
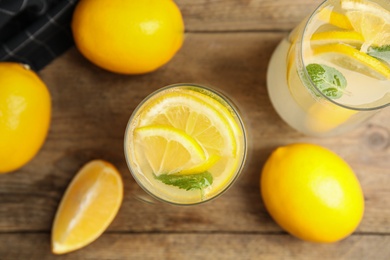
[88,206]
[312,193]
[25,108]
[129,37]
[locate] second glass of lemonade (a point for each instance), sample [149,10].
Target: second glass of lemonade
[333,71]
[185,144]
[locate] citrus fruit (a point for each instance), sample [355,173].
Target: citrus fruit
[370,19]
[166,149]
[350,58]
[196,117]
[335,18]
[129,37]
[25,109]
[312,193]
[331,37]
[88,206]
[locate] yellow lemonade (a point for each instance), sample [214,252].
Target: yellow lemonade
[185,144]
[333,71]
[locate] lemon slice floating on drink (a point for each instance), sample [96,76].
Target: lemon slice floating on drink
[348,37]
[369,19]
[218,104]
[353,59]
[335,18]
[166,149]
[194,116]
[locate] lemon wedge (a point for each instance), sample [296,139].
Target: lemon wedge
[328,37]
[353,59]
[167,150]
[369,19]
[196,117]
[88,206]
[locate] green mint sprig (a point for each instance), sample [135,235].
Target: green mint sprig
[198,181]
[382,53]
[328,80]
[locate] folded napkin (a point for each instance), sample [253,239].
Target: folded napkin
[35,32]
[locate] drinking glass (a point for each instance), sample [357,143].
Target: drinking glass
[185,144]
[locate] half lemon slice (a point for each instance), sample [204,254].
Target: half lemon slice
[329,37]
[369,19]
[197,118]
[350,58]
[166,150]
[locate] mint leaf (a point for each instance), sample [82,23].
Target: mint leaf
[328,80]
[187,182]
[382,53]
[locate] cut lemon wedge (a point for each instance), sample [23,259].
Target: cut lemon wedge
[88,206]
[353,59]
[329,37]
[200,120]
[166,150]
[334,18]
[369,19]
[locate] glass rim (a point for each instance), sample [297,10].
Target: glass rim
[307,76]
[234,108]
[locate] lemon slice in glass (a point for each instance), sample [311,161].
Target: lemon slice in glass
[369,19]
[328,37]
[218,104]
[200,120]
[166,150]
[335,18]
[353,59]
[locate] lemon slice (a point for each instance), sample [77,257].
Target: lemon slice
[90,203]
[353,59]
[334,18]
[167,150]
[369,19]
[200,120]
[347,37]
[202,167]
[220,105]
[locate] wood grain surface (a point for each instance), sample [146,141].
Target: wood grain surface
[228,45]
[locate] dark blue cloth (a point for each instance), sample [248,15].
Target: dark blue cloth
[35,32]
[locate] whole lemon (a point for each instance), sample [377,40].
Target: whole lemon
[25,109]
[312,193]
[128,37]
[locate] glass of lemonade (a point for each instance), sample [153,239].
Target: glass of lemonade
[185,144]
[333,71]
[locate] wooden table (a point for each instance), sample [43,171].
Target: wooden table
[228,45]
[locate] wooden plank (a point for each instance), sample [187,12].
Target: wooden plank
[244,15]
[91,108]
[198,246]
